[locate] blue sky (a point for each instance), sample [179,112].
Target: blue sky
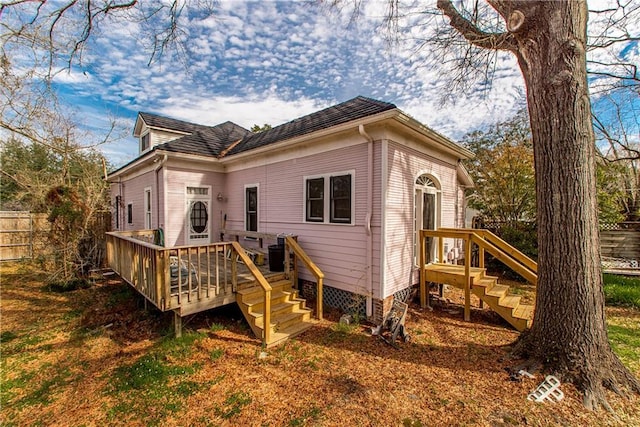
[270,62]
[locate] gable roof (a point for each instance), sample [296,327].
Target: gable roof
[347,111]
[206,141]
[160,122]
[228,138]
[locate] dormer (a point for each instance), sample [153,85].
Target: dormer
[152,130]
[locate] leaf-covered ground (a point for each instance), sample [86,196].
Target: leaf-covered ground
[95,357]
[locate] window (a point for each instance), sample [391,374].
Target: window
[341,199]
[144,142]
[199,217]
[251,208]
[129,213]
[147,208]
[315,200]
[338,207]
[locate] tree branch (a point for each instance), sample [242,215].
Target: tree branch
[475,36]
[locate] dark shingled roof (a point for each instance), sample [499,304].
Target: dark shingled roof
[154,120]
[214,140]
[206,141]
[347,111]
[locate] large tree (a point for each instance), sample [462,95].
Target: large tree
[569,334]
[549,40]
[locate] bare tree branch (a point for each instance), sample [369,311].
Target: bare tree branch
[482,39]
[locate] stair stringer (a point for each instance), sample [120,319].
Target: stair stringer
[498,298]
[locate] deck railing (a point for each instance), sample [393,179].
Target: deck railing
[291,244]
[173,277]
[486,242]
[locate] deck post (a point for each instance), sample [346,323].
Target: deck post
[287,260]
[441,249]
[177,324]
[319,299]
[234,271]
[424,299]
[267,318]
[467,278]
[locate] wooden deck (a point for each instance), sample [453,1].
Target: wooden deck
[190,279]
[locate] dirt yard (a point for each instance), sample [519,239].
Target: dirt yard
[95,357]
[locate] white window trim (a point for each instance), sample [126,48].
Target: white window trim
[149,147]
[148,210]
[327,198]
[200,197]
[244,206]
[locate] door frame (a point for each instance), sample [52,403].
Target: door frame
[189,200]
[425,184]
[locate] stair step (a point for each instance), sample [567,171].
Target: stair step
[286,319]
[277,309]
[498,291]
[257,291]
[290,332]
[484,282]
[277,297]
[524,311]
[510,301]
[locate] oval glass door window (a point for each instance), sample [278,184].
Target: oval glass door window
[199,217]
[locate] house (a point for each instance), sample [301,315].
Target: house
[354,182]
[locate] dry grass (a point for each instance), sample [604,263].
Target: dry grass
[94,357]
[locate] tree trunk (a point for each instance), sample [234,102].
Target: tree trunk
[569,333]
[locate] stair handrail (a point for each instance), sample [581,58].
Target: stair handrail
[505,258]
[264,284]
[502,245]
[292,243]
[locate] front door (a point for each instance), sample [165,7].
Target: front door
[198,215]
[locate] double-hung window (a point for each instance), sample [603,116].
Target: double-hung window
[329,198]
[145,142]
[147,208]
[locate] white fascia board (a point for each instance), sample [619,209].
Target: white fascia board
[443,141]
[308,137]
[132,167]
[188,161]
[137,128]
[464,177]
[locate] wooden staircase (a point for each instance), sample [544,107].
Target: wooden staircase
[473,279]
[289,315]
[487,288]
[507,305]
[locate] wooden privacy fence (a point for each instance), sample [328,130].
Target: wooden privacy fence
[621,240]
[21,234]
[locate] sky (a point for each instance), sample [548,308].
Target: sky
[271,62]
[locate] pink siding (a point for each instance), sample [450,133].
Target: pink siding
[339,250]
[404,166]
[132,192]
[177,182]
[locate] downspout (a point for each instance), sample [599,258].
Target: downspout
[369,254]
[157,171]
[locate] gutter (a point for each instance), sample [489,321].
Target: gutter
[369,249]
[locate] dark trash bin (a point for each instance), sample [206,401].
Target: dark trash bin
[276,258]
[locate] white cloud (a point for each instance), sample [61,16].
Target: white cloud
[270,62]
